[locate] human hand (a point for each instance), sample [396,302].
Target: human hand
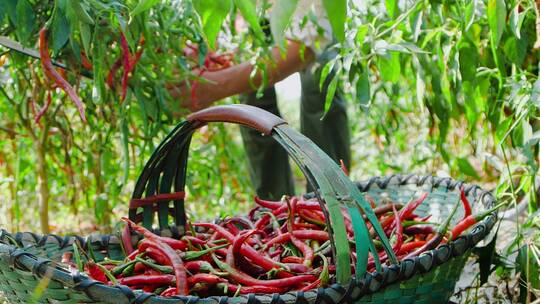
[201,93]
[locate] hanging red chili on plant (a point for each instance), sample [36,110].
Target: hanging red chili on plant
[126,60]
[51,72]
[44,108]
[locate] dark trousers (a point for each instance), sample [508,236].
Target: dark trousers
[268,163]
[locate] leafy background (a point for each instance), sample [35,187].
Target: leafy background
[434,87]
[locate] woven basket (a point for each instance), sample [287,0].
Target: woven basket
[29,270]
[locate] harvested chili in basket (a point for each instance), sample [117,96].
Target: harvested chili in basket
[281,246]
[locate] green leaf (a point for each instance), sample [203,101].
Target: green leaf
[466,167]
[516,21]
[363,88]
[496,12]
[282,11]
[361,33]
[248,11]
[517,135]
[81,12]
[10,7]
[212,14]
[420,84]
[145,5]
[468,61]
[86,36]
[3,10]
[336,10]
[325,72]
[332,87]
[26,21]
[529,268]
[392,8]
[502,128]
[390,67]
[515,49]
[469,14]
[60,32]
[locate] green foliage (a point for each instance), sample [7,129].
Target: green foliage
[280,18]
[212,14]
[336,11]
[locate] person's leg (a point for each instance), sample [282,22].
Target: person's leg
[331,134]
[268,162]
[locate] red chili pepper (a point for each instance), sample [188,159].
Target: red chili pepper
[388,223]
[300,226]
[95,272]
[154,241]
[343,167]
[51,72]
[220,230]
[194,240]
[407,247]
[466,204]
[246,279]
[301,234]
[232,228]
[386,208]
[312,285]
[135,59]
[435,241]
[126,59]
[169,292]
[147,280]
[247,250]
[44,108]
[86,62]
[139,268]
[309,205]
[268,204]
[253,212]
[205,278]
[399,230]
[298,267]
[110,77]
[292,259]
[147,288]
[173,243]
[307,251]
[174,260]
[470,220]
[199,266]
[238,243]
[242,221]
[311,216]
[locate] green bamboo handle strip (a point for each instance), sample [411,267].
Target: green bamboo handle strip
[337,233]
[344,187]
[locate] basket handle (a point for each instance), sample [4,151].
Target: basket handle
[163,180]
[250,116]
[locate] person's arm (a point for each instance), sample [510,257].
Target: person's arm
[236,79]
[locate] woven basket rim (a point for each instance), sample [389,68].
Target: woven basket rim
[369,284]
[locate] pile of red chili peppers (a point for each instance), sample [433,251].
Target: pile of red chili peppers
[280,246]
